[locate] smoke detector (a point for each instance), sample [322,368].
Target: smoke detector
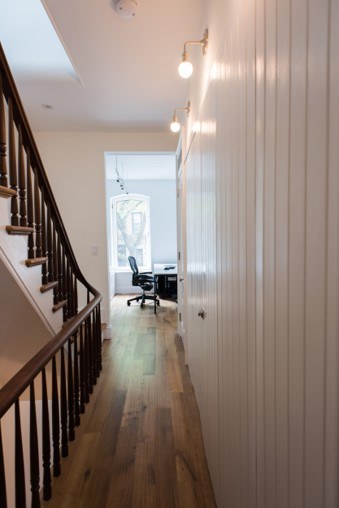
[126,8]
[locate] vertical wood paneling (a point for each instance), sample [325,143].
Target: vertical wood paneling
[260,169]
[262,254]
[222,270]
[209,329]
[235,271]
[331,495]
[251,248]
[281,196]
[296,264]
[227,382]
[242,205]
[316,243]
[269,252]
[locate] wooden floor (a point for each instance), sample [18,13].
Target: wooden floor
[139,443]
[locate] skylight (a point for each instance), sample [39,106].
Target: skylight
[30,42]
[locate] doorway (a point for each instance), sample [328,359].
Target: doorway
[152,176]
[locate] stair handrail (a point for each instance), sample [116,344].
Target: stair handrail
[23,378]
[77,346]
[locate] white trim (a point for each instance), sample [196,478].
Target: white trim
[107,333]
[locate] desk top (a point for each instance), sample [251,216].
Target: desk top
[165,269]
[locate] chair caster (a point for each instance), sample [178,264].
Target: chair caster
[158,303]
[128,303]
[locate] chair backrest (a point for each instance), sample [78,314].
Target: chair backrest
[133,265]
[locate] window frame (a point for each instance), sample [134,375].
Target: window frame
[114,231]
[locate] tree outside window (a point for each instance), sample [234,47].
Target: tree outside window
[131,223]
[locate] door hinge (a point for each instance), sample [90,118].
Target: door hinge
[179,316]
[179,255]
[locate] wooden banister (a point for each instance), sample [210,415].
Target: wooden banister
[74,354]
[18,384]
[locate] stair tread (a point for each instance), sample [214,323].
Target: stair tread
[59,305]
[35,261]
[48,286]
[19,230]
[5,192]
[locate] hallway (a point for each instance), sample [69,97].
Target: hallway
[139,443]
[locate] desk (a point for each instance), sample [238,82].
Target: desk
[165,279]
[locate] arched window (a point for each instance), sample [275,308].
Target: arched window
[131,231]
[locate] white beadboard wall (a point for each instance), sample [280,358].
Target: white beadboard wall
[262,257]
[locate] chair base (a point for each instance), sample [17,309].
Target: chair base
[143,298]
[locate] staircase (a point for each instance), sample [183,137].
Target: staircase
[35,249]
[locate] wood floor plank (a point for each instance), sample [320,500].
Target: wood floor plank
[140,443]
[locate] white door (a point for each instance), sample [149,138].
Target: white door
[181,239]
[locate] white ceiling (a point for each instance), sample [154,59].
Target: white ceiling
[127,69]
[140,166]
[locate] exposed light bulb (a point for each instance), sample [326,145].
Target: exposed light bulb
[185,69]
[175,126]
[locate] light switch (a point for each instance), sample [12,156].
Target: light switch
[94,250]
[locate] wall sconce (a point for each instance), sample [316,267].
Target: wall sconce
[185,68]
[175,125]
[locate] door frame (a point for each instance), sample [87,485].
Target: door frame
[181,240]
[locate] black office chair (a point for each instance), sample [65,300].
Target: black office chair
[145,280]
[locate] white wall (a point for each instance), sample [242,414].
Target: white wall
[163,222]
[74,162]
[263,255]
[21,337]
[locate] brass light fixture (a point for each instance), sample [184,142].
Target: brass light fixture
[185,68]
[175,125]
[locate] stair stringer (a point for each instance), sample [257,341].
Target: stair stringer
[13,253]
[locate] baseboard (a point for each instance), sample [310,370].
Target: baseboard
[107,333]
[128,290]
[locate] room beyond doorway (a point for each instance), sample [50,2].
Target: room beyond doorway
[147,177]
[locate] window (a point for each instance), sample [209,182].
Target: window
[131,231]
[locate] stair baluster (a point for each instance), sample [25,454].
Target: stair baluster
[65,283]
[69,290]
[34,452]
[60,277]
[20,492]
[3,145]
[37,211]
[3,492]
[30,213]
[55,421]
[76,381]
[94,349]
[98,335]
[44,277]
[63,405]
[13,176]
[82,372]
[70,386]
[22,182]
[50,263]
[55,265]
[46,444]
[88,345]
[75,295]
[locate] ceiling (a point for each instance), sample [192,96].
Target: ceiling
[125,71]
